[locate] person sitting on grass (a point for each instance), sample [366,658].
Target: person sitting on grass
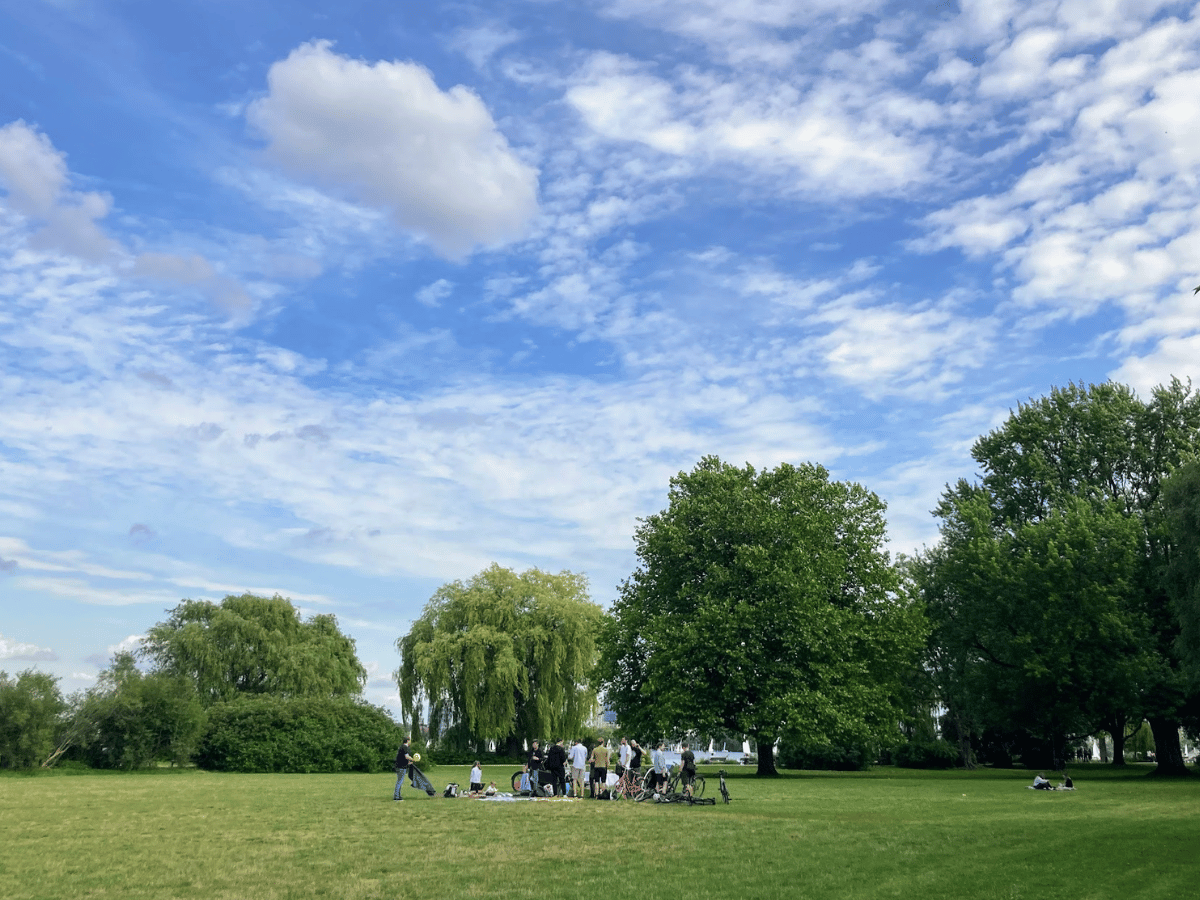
[1041,783]
[490,791]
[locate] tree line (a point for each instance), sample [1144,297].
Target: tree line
[241,685]
[1061,600]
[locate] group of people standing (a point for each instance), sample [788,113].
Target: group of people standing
[550,766]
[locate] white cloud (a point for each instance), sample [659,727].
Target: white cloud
[433,294]
[18,650]
[834,137]
[35,175]
[386,134]
[130,644]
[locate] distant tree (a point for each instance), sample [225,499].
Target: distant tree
[502,657]
[248,645]
[1035,625]
[763,604]
[1040,522]
[137,719]
[30,709]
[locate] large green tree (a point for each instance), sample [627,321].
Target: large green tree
[134,719]
[1035,628]
[1038,536]
[502,657]
[31,706]
[248,645]
[763,604]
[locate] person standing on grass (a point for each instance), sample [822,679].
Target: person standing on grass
[556,762]
[635,757]
[579,757]
[623,754]
[687,769]
[533,765]
[659,758]
[403,767]
[476,778]
[599,761]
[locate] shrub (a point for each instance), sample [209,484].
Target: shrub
[855,758]
[926,755]
[273,734]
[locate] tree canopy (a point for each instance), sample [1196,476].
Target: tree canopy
[1048,593]
[248,645]
[763,604]
[502,657]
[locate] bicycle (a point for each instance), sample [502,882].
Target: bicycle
[520,785]
[628,787]
[672,787]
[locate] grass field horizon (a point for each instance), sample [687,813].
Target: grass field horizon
[882,833]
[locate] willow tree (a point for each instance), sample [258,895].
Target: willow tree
[502,657]
[247,645]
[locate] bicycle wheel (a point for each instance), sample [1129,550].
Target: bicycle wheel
[698,787]
[516,782]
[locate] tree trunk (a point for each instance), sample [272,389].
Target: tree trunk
[1103,744]
[513,747]
[1116,730]
[1166,747]
[766,756]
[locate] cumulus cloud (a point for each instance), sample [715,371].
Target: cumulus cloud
[389,136]
[18,650]
[35,176]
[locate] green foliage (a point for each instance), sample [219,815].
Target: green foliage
[502,656]
[135,720]
[763,604]
[1049,610]
[30,709]
[1181,504]
[252,645]
[301,734]
[837,758]
[936,754]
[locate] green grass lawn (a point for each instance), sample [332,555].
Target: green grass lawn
[884,833]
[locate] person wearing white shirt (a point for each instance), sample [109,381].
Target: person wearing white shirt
[578,757]
[476,778]
[623,755]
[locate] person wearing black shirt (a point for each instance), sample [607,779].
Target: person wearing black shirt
[403,767]
[556,762]
[687,768]
[635,761]
[533,766]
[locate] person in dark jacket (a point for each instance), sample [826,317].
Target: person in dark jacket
[533,765]
[556,763]
[403,767]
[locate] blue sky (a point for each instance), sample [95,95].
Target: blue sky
[346,301]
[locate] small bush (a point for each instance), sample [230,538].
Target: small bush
[925,755]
